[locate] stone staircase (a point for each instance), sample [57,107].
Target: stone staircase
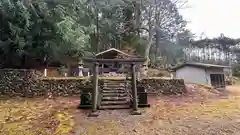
[114,95]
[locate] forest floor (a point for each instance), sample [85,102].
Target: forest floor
[200,112]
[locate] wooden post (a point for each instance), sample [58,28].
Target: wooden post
[223,81]
[94,112]
[134,91]
[218,81]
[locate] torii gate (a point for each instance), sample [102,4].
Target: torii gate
[95,93]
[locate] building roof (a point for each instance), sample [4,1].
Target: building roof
[199,65]
[112,50]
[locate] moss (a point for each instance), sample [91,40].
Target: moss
[66,124]
[17,128]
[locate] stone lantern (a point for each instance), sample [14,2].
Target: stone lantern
[80,68]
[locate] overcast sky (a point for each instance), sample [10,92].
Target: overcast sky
[213,17]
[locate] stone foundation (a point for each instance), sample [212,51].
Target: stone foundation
[28,83]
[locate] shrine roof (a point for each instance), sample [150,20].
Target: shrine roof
[111,50]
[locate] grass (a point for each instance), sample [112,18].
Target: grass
[199,113]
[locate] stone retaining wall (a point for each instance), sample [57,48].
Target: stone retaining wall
[28,83]
[19,82]
[65,87]
[163,86]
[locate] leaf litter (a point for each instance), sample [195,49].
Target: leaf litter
[202,111]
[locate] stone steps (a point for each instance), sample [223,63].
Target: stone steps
[107,103]
[113,85]
[114,95]
[113,91]
[115,98]
[114,80]
[114,107]
[113,88]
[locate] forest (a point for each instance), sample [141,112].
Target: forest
[39,32]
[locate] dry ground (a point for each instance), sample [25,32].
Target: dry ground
[200,112]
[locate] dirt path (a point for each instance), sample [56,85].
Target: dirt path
[220,117]
[200,112]
[235,89]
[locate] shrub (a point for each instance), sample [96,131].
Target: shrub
[236,70]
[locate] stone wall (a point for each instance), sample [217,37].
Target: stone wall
[163,86]
[28,83]
[65,87]
[19,82]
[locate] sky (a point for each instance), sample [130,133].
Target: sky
[213,17]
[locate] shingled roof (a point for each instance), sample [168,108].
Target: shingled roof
[112,50]
[114,53]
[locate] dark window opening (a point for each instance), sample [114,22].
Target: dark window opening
[217,80]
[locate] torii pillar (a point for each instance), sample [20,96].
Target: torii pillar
[134,90]
[95,112]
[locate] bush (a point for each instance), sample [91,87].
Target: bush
[158,73]
[236,70]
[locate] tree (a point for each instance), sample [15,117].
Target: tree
[43,31]
[164,23]
[219,50]
[49,31]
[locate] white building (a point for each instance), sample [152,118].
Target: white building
[200,73]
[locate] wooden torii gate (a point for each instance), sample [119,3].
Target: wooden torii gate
[95,92]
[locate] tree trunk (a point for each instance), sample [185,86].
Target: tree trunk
[158,32]
[97,24]
[147,50]
[143,71]
[23,61]
[138,17]
[158,45]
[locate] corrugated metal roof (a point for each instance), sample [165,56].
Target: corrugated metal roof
[200,65]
